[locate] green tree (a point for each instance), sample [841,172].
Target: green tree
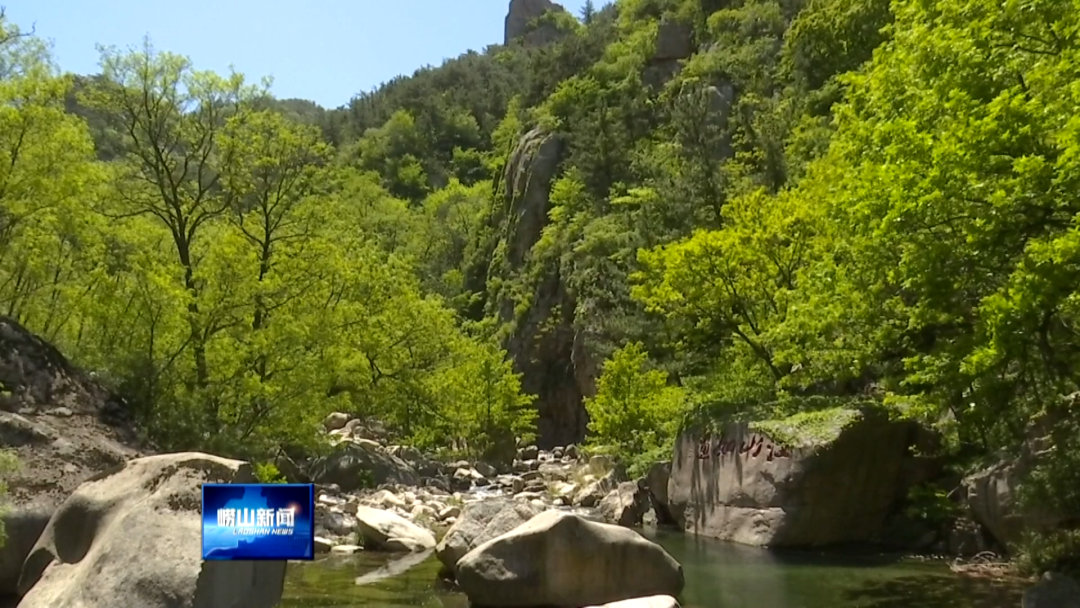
[635,410]
[46,178]
[394,152]
[588,12]
[173,117]
[449,218]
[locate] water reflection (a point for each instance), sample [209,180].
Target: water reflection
[395,567]
[722,575]
[332,581]
[718,575]
[732,576]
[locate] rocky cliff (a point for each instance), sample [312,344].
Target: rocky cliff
[523,22]
[543,342]
[555,331]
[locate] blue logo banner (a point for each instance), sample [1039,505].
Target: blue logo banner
[258,521]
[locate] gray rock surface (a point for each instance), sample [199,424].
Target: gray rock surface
[520,22]
[656,484]
[23,526]
[596,490]
[480,522]
[626,505]
[992,492]
[560,559]
[674,40]
[351,462]
[62,425]
[554,362]
[131,537]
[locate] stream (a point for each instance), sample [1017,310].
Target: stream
[718,575]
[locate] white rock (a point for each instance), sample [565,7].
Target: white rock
[345,549]
[652,601]
[391,531]
[386,498]
[335,421]
[557,558]
[330,501]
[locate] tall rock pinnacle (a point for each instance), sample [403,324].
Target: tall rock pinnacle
[520,22]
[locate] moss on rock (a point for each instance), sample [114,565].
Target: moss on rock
[808,429]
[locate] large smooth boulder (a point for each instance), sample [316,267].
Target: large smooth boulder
[480,522]
[835,479]
[23,526]
[355,464]
[626,505]
[561,559]
[132,537]
[391,532]
[1053,591]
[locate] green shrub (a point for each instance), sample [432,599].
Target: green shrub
[8,464]
[635,413]
[267,472]
[931,504]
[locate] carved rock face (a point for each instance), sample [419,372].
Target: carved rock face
[746,487]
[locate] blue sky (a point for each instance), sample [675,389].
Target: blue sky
[327,51]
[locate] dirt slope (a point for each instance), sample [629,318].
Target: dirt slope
[63,425]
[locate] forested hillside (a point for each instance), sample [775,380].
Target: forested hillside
[652,211]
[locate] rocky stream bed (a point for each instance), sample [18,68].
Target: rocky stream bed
[398,543]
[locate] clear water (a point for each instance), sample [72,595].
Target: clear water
[718,575]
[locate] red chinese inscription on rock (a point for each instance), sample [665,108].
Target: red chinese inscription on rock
[757,446]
